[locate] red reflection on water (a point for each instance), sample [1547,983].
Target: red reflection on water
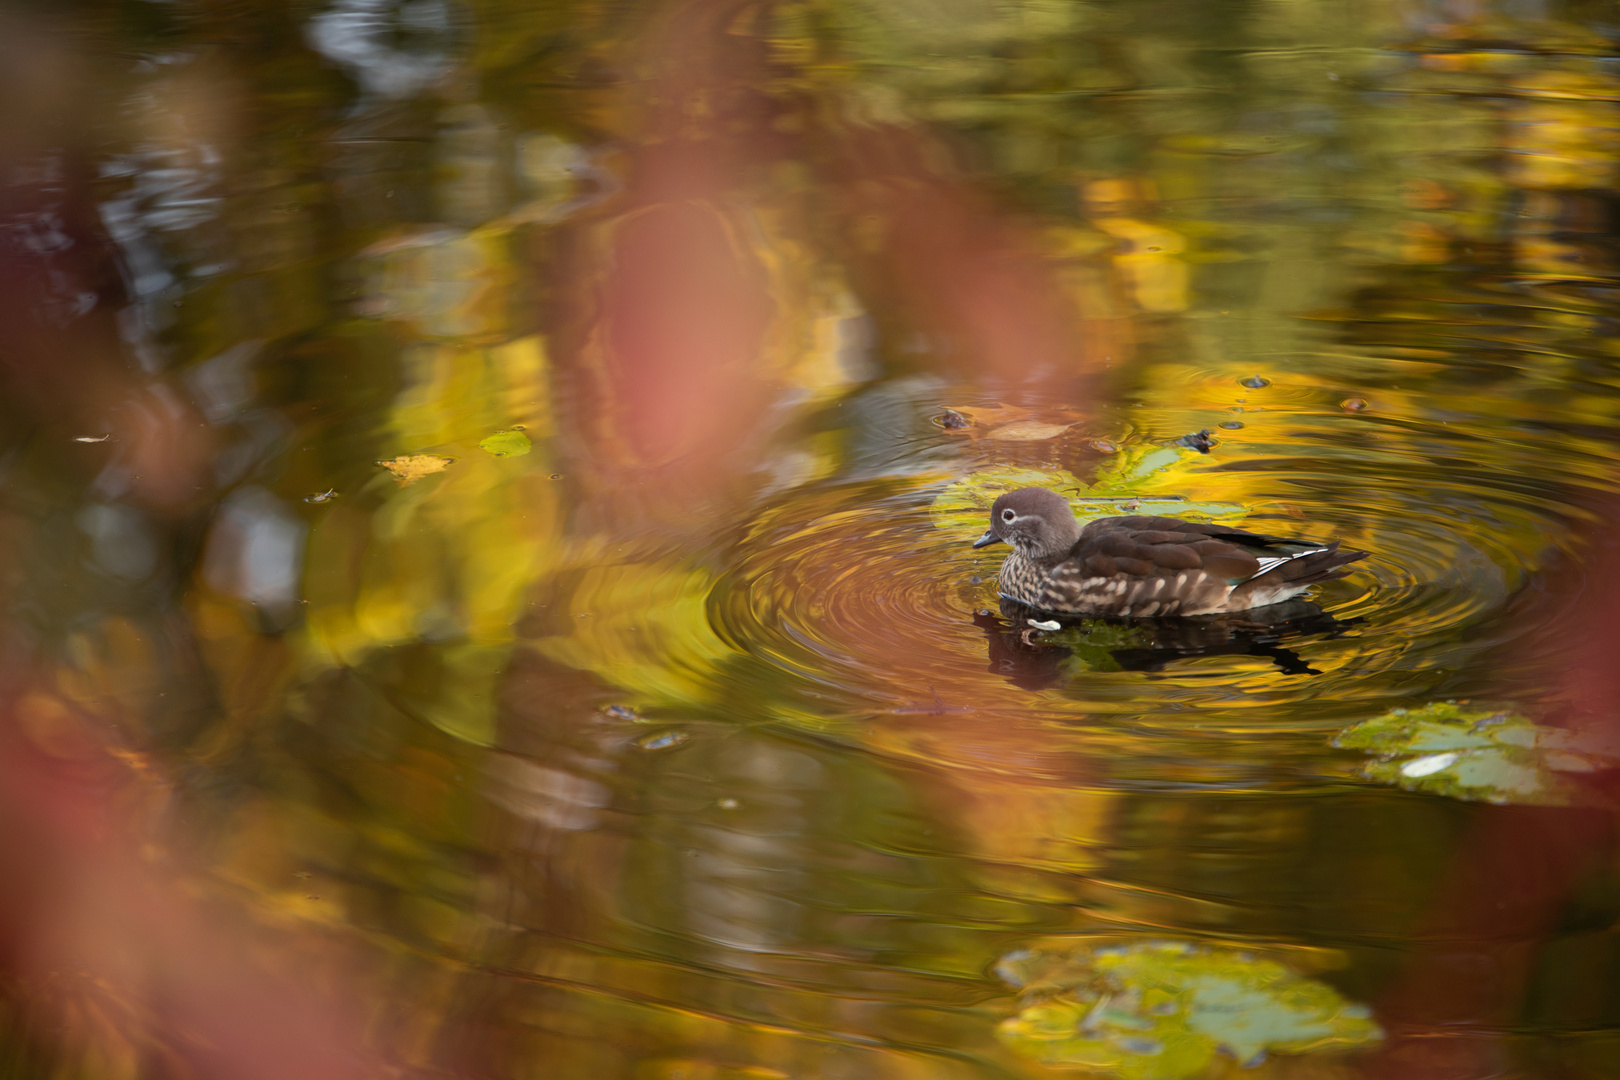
[675,318]
[1478,946]
[970,278]
[116,950]
[664,303]
[684,313]
[1501,898]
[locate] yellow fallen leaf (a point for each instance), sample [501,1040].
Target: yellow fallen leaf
[410,468]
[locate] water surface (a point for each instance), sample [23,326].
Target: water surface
[683,738]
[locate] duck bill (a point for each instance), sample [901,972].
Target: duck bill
[987,539]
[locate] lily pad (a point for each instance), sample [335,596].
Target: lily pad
[1480,754]
[410,468]
[509,443]
[1137,463]
[1163,1010]
[965,504]
[1091,643]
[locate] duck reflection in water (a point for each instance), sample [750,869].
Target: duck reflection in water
[1038,659]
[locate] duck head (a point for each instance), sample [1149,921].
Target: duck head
[1037,522]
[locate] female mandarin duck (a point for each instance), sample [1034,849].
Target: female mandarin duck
[1146,566]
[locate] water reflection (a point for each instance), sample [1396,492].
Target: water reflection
[678,746]
[1035,661]
[394,49]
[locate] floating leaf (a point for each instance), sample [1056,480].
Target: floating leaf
[1162,1010]
[1480,754]
[965,504]
[1027,431]
[1008,422]
[509,443]
[412,467]
[1135,465]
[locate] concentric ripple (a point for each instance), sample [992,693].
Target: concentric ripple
[858,595]
[869,607]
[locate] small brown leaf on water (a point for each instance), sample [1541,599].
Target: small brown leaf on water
[1027,431]
[1009,422]
[410,468]
[989,415]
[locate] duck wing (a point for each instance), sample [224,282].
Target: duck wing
[1150,546]
[1139,566]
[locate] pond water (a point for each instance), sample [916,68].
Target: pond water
[488,487]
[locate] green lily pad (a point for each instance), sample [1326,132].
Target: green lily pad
[1162,1010]
[1134,464]
[1092,643]
[1104,634]
[1480,754]
[965,504]
[509,443]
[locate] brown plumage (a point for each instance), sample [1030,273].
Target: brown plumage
[1147,566]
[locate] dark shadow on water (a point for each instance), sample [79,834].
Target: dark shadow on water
[1036,660]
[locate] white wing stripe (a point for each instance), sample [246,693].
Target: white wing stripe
[1271,562]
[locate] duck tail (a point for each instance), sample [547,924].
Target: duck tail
[1292,576]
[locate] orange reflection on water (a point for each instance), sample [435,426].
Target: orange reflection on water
[688,299]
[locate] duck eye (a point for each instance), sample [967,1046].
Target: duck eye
[1007,515]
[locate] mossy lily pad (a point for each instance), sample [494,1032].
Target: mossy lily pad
[1134,464]
[1480,754]
[509,443]
[1092,642]
[1163,1010]
[965,504]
